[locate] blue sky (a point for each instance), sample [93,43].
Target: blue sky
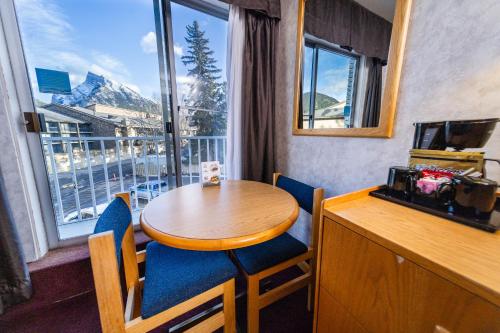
[215,31]
[333,70]
[114,38]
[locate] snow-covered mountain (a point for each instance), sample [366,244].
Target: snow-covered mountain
[98,89]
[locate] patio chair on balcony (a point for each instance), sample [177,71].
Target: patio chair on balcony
[175,282]
[263,260]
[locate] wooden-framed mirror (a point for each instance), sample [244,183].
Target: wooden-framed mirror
[349,90]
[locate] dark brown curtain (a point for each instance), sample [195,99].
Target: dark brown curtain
[270,8]
[350,25]
[329,20]
[371,111]
[15,284]
[300,125]
[258,97]
[370,33]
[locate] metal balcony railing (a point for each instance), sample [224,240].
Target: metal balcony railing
[84,172]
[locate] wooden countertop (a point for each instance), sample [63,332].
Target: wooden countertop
[463,255]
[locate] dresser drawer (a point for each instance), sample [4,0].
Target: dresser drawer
[387,293]
[333,318]
[436,305]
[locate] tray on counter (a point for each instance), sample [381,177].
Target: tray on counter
[486,222]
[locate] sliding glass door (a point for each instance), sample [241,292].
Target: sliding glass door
[130,95]
[199,42]
[99,78]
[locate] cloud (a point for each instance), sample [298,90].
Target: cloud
[178,50]
[184,86]
[110,67]
[48,43]
[68,60]
[148,43]
[44,29]
[96,69]
[108,61]
[184,79]
[46,16]
[75,79]
[333,82]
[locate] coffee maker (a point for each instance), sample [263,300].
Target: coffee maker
[442,143]
[445,179]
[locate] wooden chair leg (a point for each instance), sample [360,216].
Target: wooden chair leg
[229,307]
[309,296]
[253,304]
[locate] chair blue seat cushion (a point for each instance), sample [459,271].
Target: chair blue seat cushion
[173,275]
[256,258]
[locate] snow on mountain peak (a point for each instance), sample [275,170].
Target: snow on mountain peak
[96,89]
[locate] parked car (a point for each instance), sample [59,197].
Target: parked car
[148,190]
[87,213]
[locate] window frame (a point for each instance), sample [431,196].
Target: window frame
[317,45]
[45,218]
[163,15]
[215,8]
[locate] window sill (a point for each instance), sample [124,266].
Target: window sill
[62,274]
[75,253]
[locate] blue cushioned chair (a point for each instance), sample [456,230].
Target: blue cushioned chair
[265,259]
[175,281]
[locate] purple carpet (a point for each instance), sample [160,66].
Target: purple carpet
[64,299]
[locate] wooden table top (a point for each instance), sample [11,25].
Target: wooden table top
[236,214]
[466,256]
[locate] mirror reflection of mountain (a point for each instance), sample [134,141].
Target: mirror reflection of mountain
[96,89]
[325,106]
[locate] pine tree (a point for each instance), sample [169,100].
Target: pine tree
[205,92]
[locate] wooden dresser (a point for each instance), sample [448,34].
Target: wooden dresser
[383,268]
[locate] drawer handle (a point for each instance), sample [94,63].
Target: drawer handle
[440,329]
[400,259]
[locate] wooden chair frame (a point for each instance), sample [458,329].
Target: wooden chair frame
[114,318]
[306,262]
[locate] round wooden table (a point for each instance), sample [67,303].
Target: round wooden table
[235,214]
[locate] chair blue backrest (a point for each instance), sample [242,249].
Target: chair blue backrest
[117,218]
[303,193]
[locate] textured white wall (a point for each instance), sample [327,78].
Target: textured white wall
[451,70]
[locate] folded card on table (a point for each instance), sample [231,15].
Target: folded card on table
[210,173]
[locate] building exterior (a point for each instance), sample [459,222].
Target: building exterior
[107,110]
[58,125]
[330,117]
[100,126]
[97,121]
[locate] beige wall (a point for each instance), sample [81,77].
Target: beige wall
[451,71]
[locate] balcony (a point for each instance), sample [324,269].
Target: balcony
[84,178]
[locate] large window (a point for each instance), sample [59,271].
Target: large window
[200,47]
[101,73]
[328,87]
[106,124]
